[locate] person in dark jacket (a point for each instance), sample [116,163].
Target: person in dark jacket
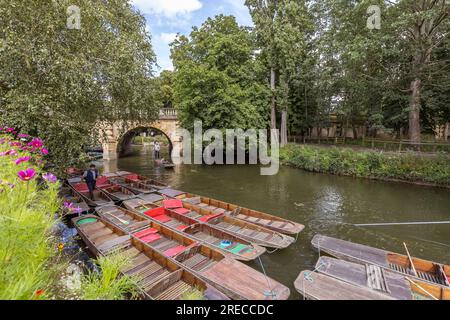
[90,176]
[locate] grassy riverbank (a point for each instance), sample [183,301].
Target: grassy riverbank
[369,164]
[32,260]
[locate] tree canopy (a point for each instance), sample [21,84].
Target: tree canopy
[59,82]
[219,78]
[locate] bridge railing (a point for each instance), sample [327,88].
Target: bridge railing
[168,114]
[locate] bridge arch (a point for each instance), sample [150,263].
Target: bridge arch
[125,141]
[120,133]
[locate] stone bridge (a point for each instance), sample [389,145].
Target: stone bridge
[118,137]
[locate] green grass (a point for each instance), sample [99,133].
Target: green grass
[369,164]
[108,284]
[194,295]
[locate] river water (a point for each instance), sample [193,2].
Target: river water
[325,204]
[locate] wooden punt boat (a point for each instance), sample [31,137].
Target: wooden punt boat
[256,217]
[118,193]
[143,180]
[135,187]
[316,286]
[229,244]
[367,276]
[100,197]
[245,230]
[230,276]
[431,276]
[159,278]
[70,196]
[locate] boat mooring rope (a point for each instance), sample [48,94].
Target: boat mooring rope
[267,293]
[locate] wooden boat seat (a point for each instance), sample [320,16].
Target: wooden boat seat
[154,278]
[195,200]
[150,238]
[182,211]
[113,244]
[181,227]
[145,232]
[172,252]
[162,218]
[175,291]
[99,233]
[194,261]
[138,262]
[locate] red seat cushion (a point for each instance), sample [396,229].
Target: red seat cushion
[133,177]
[172,204]
[151,238]
[174,251]
[145,232]
[182,228]
[181,210]
[209,217]
[101,181]
[81,187]
[162,218]
[155,212]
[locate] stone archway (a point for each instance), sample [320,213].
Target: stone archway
[113,134]
[126,140]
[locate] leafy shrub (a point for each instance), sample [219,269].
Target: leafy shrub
[368,164]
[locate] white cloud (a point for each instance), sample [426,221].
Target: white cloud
[167,38]
[168,8]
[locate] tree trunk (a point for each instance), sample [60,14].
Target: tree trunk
[414,111]
[273,115]
[284,138]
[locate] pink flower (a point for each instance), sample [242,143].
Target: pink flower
[23,159]
[2,141]
[27,175]
[44,151]
[23,135]
[10,130]
[8,153]
[36,143]
[49,177]
[15,144]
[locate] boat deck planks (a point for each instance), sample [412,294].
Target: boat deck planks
[253,285]
[317,286]
[357,274]
[357,251]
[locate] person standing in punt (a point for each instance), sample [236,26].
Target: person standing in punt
[90,176]
[157,150]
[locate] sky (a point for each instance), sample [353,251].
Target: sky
[166,18]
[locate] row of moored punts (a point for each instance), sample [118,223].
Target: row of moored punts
[352,271]
[182,243]
[179,242]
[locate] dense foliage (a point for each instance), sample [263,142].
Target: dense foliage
[60,82]
[381,78]
[319,61]
[218,77]
[368,164]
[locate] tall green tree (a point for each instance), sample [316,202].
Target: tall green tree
[284,29]
[218,77]
[59,82]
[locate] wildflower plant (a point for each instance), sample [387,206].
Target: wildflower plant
[27,209]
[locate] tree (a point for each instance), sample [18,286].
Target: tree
[164,89]
[284,29]
[217,77]
[425,25]
[59,83]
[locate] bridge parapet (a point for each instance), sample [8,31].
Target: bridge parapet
[168,114]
